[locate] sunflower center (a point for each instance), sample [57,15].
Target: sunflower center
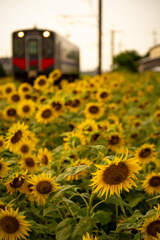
[17,136]
[115,174]
[1,143]
[57,106]
[93,109]
[26,108]
[16,183]
[2,207]
[76,103]
[45,159]
[11,112]
[134,135]
[155,181]
[46,113]
[68,103]
[41,82]
[15,98]
[29,187]
[145,153]
[24,148]
[29,162]
[44,187]
[55,75]
[103,95]
[153,228]
[8,90]
[28,96]
[9,224]
[25,89]
[114,140]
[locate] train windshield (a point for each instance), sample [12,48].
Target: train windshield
[18,47]
[33,47]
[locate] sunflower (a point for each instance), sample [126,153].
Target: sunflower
[151,184]
[27,189]
[93,110]
[104,95]
[73,140]
[113,106]
[157,115]
[88,237]
[3,168]
[146,153]
[29,163]
[43,186]
[26,108]
[26,147]
[88,125]
[58,107]
[45,156]
[113,119]
[8,88]
[45,114]
[114,176]
[10,113]
[75,105]
[115,141]
[41,82]
[16,182]
[41,99]
[54,75]
[81,174]
[151,228]
[16,135]
[2,143]
[14,98]
[25,88]
[12,225]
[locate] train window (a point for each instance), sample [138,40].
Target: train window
[33,46]
[48,47]
[18,47]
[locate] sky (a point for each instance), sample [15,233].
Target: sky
[136,25]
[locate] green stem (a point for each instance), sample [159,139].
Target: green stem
[90,205]
[116,211]
[96,205]
[82,198]
[69,210]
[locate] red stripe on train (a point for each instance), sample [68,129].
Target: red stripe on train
[19,62]
[47,62]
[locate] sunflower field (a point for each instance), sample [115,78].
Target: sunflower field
[80,160]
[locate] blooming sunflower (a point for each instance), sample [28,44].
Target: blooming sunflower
[27,189]
[157,115]
[104,95]
[10,113]
[45,156]
[73,140]
[115,141]
[26,147]
[12,225]
[151,184]
[43,186]
[54,75]
[93,110]
[26,108]
[45,114]
[146,153]
[25,88]
[114,176]
[41,82]
[14,98]
[16,182]
[151,228]
[75,105]
[2,143]
[88,237]
[16,135]
[88,125]
[29,163]
[58,107]
[8,88]
[81,174]
[3,168]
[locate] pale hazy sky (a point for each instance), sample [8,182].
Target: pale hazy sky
[134,22]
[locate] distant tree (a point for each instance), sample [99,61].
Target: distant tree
[2,71]
[126,61]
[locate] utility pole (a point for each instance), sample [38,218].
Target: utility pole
[154,38]
[100,37]
[112,46]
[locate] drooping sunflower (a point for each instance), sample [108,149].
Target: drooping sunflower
[27,189]
[26,108]
[88,237]
[29,163]
[93,110]
[10,113]
[146,153]
[16,135]
[114,176]
[81,174]
[2,142]
[151,184]
[45,156]
[45,114]
[115,141]
[8,88]
[73,139]
[54,75]
[41,82]
[3,168]
[12,225]
[14,98]
[88,125]
[16,182]
[25,88]
[26,147]
[43,186]
[151,228]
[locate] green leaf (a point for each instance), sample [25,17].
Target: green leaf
[71,171]
[85,225]
[49,209]
[102,217]
[60,192]
[137,214]
[100,148]
[133,202]
[70,202]
[65,229]
[153,198]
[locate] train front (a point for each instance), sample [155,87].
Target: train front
[29,57]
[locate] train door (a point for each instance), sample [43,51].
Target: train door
[33,55]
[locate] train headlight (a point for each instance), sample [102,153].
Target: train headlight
[46,34]
[21,34]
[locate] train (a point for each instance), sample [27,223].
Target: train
[39,52]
